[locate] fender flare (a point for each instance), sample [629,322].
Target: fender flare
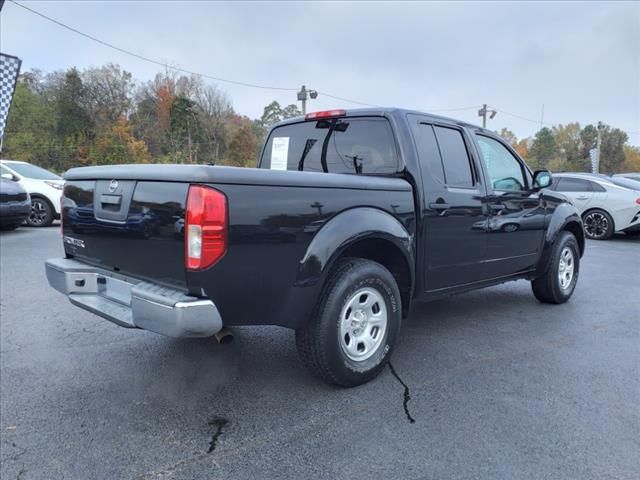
[564,217]
[345,229]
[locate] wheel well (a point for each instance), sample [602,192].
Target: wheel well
[42,197]
[576,229]
[389,255]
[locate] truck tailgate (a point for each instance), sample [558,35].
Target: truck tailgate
[128,226]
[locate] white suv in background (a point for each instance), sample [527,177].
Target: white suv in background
[44,187]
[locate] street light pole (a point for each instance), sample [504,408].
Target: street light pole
[303,95]
[483,113]
[596,167]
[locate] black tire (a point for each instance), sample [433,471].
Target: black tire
[42,212]
[320,343]
[547,288]
[598,224]
[9,226]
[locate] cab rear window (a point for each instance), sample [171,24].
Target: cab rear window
[362,145]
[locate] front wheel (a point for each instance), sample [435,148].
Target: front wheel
[559,281]
[41,213]
[355,325]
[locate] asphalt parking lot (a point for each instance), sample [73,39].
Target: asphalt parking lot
[501,387]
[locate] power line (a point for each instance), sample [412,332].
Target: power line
[150,60]
[548,124]
[248,84]
[190,72]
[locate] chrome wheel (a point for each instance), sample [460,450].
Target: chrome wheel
[566,268]
[363,324]
[596,225]
[39,212]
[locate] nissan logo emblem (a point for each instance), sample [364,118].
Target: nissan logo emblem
[113,186]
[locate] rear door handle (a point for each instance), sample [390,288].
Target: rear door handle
[583,198]
[439,206]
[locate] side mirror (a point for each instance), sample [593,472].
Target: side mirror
[542,179]
[7,176]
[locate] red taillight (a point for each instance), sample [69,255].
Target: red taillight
[638,200]
[325,114]
[205,230]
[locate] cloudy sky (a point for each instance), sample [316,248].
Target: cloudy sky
[580,60]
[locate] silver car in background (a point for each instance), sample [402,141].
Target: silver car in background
[605,207]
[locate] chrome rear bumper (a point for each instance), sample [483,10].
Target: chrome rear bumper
[132,303]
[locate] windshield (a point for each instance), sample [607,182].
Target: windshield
[362,145]
[32,171]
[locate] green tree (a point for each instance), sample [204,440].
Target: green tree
[185,133]
[612,155]
[242,143]
[567,139]
[509,136]
[274,113]
[30,127]
[543,148]
[631,159]
[588,138]
[72,118]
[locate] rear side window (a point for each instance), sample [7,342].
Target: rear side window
[428,152]
[566,184]
[339,145]
[455,158]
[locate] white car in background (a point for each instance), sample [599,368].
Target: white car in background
[605,207]
[44,187]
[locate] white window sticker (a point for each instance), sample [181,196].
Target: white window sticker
[279,153]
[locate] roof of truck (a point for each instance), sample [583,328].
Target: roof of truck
[386,111]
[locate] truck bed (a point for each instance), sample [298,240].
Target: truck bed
[273,216]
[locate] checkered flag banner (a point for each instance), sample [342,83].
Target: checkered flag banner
[9,70]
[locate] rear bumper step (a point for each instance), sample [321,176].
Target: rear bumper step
[132,303]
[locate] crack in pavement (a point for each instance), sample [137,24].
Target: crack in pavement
[407,394]
[219,423]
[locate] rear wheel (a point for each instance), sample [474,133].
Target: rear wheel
[355,325]
[559,281]
[598,224]
[41,213]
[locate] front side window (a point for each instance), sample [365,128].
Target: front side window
[337,145]
[455,158]
[505,171]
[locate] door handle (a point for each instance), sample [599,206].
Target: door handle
[583,198]
[496,207]
[439,206]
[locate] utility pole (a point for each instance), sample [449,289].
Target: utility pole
[483,113]
[303,95]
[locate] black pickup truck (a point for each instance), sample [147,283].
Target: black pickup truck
[349,217]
